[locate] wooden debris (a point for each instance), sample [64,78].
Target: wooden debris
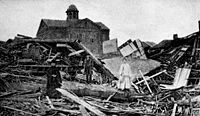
[73,112]
[174,110]
[101,67]
[82,102]
[146,82]
[150,77]
[19,110]
[101,91]
[83,111]
[111,96]
[50,103]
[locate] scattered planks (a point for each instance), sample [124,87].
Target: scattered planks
[18,110]
[82,102]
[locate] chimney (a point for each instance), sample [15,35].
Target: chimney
[199,25]
[175,36]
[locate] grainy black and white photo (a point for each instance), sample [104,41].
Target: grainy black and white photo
[99,58]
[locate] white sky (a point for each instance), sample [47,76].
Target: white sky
[147,20]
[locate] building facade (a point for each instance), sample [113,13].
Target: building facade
[91,34]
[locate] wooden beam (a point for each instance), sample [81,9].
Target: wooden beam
[151,77]
[174,110]
[81,102]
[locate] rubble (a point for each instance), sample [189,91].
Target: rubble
[25,61]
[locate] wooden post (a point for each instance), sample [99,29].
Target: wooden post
[199,25]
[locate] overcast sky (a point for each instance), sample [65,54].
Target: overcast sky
[147,20]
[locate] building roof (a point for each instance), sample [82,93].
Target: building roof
[145,45]
[56,23]
[162,44]
[66,23]
[103,27]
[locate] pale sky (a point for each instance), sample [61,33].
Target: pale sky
[147,20]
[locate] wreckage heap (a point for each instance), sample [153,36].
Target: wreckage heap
[25,61]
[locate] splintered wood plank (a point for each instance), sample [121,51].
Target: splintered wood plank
[81,102]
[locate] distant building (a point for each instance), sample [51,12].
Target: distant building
[91,34]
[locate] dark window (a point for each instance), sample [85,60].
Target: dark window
[92,40]
[74,15]
[80,36]
[70,15]
[77,36]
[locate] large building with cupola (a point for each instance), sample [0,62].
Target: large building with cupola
[91,34]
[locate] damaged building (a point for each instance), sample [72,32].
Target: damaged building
[165,79]
[91,34]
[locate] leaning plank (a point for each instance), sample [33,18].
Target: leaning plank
[82,102]
[100,67]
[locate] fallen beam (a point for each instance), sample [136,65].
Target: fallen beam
[81,102]
[101,91]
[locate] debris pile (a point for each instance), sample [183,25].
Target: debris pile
[169,88]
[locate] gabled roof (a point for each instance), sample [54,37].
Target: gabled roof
[66,23]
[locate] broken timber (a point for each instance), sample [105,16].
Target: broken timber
[82,102]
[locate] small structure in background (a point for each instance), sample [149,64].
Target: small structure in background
[133,49]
